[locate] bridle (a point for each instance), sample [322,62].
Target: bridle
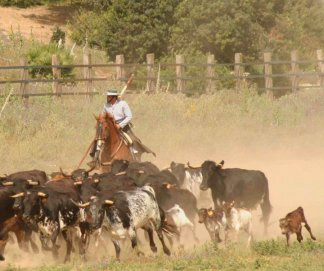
[101,141]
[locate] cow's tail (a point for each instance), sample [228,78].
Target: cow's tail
[167,227]
[266,206]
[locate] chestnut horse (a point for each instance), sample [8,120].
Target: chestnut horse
[109,143]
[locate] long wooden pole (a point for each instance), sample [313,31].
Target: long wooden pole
[126,86]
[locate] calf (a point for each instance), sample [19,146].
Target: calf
[292,223]
[122,212]
[176,216]
[237,219]
[214,220]
[167,197]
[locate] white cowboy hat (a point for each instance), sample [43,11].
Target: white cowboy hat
[112,92]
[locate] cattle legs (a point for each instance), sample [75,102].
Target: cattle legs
[133,237]
[67,235]
[117,248]
[28,238]
[287,238]
[309,230]
[165,248]
[3,242]
[55,247]
[150,234]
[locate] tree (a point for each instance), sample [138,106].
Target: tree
[132,28]
[250,27]
[299,26]
[223,27]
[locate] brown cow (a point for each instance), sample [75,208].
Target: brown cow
[292,223]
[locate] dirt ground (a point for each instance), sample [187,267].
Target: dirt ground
[38,21]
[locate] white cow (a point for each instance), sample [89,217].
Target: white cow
[238,219]
[190,178]
[177,217]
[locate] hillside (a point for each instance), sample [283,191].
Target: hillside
[39,20]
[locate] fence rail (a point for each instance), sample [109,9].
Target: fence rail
[298,78]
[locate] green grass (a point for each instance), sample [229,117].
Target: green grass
[263,256]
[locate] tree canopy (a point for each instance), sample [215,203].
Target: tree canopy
[220,27]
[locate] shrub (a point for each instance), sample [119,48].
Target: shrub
[57,35]
[41,54]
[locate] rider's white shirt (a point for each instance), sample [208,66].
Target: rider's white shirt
[120,111]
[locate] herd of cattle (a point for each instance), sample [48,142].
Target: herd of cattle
[80,206]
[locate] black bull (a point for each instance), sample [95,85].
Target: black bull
[247,188]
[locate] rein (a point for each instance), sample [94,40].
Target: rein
[85,155]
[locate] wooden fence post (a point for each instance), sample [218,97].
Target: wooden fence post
[294,70]
[320,59]
[268,82]
[120,69]
[210,74]
[150,72]
[23,85]
[56,87]
[238,71]
[180,73]
[87,73]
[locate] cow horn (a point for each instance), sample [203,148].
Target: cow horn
[93,197]
[83,205]
[189,166]
[77,183]
[42,194]
[109,202]
[221,164]
[96,181]
[31,182]
[106,164]
[7,183]
[19,195]
[120,173]
[64,174]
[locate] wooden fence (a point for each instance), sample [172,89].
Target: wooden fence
[151,74]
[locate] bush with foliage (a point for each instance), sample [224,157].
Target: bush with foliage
[41,54]
[57,35]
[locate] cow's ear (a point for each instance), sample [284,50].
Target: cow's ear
[232,203]
[166,185]
[173,164]
[210,213]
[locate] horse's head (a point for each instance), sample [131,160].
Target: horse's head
[101,128]
[108,140]
[105,125]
